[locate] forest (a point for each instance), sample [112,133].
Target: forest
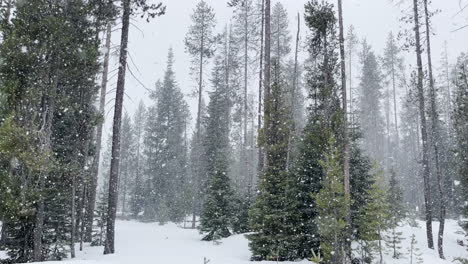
[291,139]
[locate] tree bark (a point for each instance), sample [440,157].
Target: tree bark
[395,114]
[260,90]
[3,233]
[345,106]
[435,136]
[292,134]
[102,103]
[115,160]
[246,62]
[73,218]
[198,132]
[347,188]
[45,132]
[422,115]
[267,70]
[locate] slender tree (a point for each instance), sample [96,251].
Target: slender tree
[217,212]
[424,134]
[435,135]
[102,104]
[345,103]
[152,11]
[200,43]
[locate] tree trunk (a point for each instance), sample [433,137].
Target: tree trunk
[267,71]
[95,173]
[73,218]
[422,114]
[115,160]
[246,62]
[292,134]
[395,114]
[45,132]
[347,188]
[260,90]
[435,137]
[198,138]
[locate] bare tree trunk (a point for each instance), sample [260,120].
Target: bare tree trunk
[395,113]
[83,215]
[435,137]
[422,113]
[292,134]
[267,72]
[198,138]
[260,90]
[73,218]
[115,160]
[3,233]
[351,112]
[102,103]
[246,62]
[347,188]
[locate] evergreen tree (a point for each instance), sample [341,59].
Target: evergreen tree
[413,252]
[369,115]
[127,156]
[280,35]
[49,91]
[165,150]
[137,191]
[396,214]
[460,118]
[217,211]
[200,43]
[375,218]
[323,123]
[268,215]
[332,203]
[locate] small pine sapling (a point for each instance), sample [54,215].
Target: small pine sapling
[100,214]
[413,252]
[393,237]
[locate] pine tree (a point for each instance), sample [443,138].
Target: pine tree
[268,215]
[375,217]
[99,229]
[424,127]
[369,115]
[245,32]
[460,118]
[200,43]
[280,35]
[323,123]
[137,191]
[396,214]
[413,252]
[151,10]
[53,98]
[217,212]
[166,151]
[332,203]
[127,156]
[392,65]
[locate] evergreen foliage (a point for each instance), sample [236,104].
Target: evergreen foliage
[374,220]
[331,203]
[268,215]
[217,212]
[165,150]
[461,123]
[396,214]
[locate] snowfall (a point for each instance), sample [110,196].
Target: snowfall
[150,243]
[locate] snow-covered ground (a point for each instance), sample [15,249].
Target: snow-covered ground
[149,243]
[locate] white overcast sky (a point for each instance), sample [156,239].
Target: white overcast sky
[372,19]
